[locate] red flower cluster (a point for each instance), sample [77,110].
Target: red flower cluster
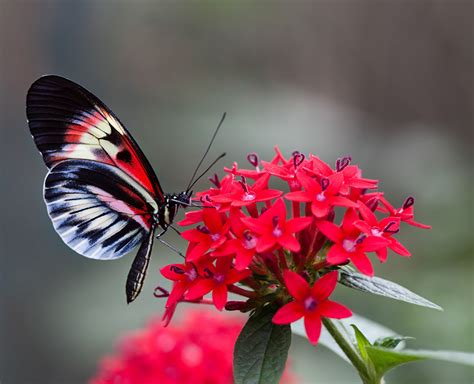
[182,353]
[244,235]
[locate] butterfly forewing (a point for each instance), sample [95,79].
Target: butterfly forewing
[97,209]
[101,192]
[69,122]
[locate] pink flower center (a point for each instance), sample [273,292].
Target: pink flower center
[249,196]
[376,232]
[249,241]
[277,231]
[191,274]
[310,303]
[219,278]
[320,196]
[215,236]
[349,245]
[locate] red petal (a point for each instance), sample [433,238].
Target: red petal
[373,243]
[176,293]
[268,194]
[337,255]
[296,285]
[243,258]
[254,225]
[225,198]
[321,167]
[324,286]
[236,224]
[298,224]
[212,219]
[343,202]
[223,265]
[265,242]
[200,288]
[219,296]
[382,254]
[191,217]
[416,224]
[299,196]
[228,248]
[288,313]
[363,226]
[364,183]
[234,276]
[289,242]
[278,209]
[397,247]
[348,220]
[168,273]
[335,183]
[330,230]
[333,310]
[367,214]
[196,250]
[320,209]
[310,185]
[362,263]
[194,235]
[312,325]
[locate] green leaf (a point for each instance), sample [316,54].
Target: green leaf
[383,287]
[390,342]
[384,359]
[466,358]
[362,342]
[261,349]
[369,328]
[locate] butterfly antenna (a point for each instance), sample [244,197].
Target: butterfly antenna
[191,182]
[207,169]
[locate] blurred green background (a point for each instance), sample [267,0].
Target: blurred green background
[388,82]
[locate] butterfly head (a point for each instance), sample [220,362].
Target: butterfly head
[168,209]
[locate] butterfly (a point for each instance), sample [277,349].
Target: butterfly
[101,193]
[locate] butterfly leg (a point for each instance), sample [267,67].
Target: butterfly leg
[167,244]
[176,230]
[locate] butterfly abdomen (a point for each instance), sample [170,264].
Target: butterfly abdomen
[137,273]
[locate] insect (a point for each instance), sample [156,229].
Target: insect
[102,194]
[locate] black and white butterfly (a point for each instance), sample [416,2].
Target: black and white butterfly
[101,192]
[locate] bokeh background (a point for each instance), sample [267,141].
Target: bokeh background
[388,82]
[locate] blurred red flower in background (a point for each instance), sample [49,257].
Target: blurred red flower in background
[198,350]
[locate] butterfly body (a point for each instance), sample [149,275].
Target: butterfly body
[101,192]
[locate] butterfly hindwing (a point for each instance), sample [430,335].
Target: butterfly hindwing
[69,122]
[97,209]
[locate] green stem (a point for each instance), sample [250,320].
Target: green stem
[350,351]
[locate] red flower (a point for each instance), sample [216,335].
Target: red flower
[219,277]
[196,350]
[405,213]
[322,196]
[352,174]
[183,276]
[208,237]
[244,194]
[349,245]
[243,246]
[289,170]
[222,187]
[384,228]
[275,230]
[311,303]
